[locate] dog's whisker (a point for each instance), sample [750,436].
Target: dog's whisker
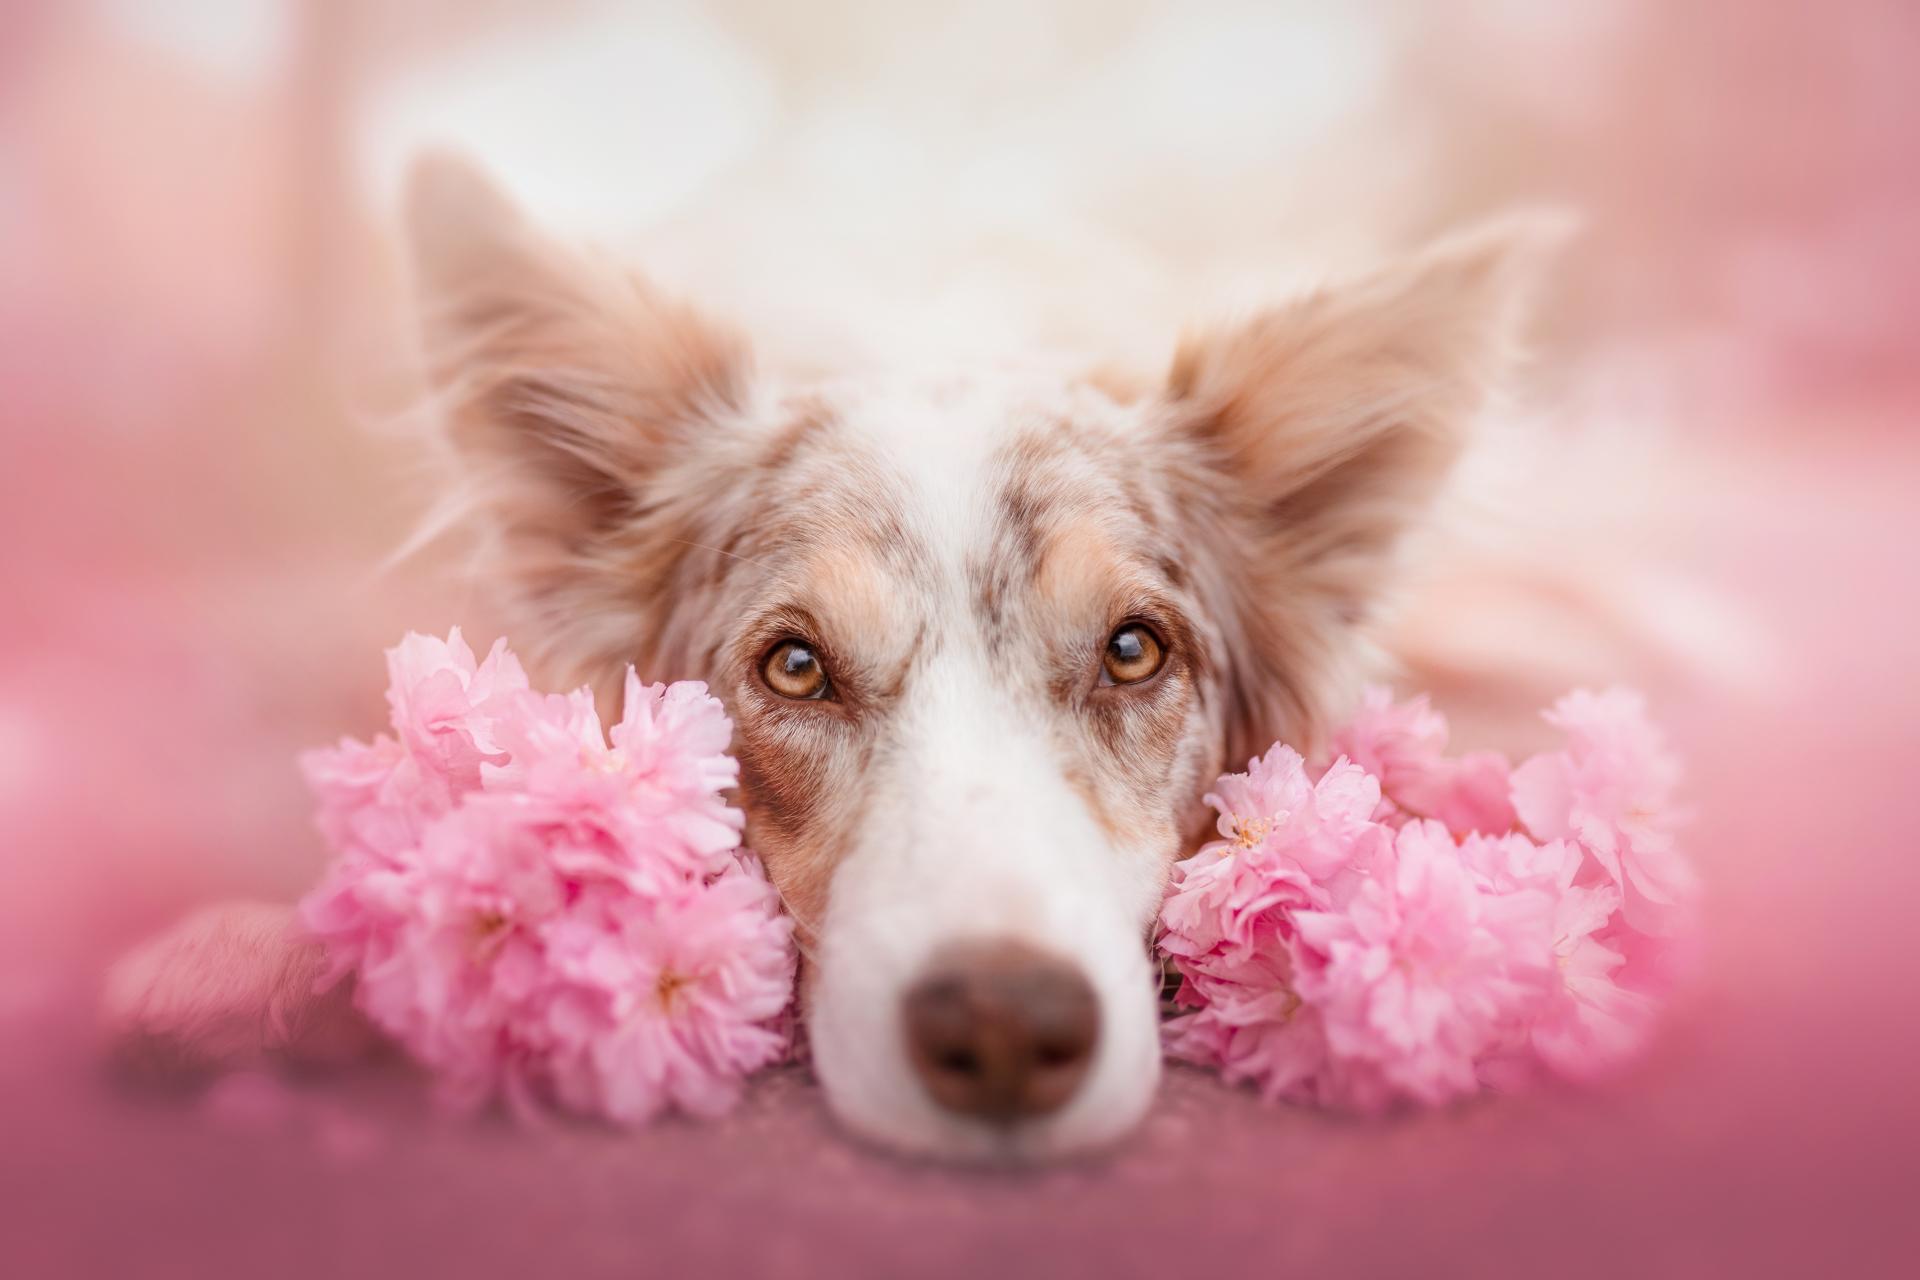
[800,925]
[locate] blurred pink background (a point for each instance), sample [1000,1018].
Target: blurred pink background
[1709,488]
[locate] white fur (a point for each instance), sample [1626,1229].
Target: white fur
[975,833]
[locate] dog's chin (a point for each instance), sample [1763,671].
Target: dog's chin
[860,1059]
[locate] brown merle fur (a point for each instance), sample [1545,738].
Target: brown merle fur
[648,503]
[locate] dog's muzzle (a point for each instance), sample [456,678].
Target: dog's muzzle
[1000,1031]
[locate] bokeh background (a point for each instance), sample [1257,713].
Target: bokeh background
[1707,486]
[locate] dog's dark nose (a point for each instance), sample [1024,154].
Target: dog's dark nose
[1000,1031]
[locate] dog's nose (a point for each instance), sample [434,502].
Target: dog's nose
[1001,1031]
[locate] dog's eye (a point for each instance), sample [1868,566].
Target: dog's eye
[793,671]
[1133,654]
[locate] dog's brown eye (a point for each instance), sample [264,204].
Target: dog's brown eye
[793,671]
[1133,654]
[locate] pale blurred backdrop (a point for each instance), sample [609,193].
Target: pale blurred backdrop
[1706,485]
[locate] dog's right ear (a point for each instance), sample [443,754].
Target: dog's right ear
[569,389]
[1327,427]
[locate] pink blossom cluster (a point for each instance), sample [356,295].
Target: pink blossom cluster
[1403,926]
[543,911]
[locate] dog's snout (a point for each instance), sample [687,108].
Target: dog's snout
[1000,1031]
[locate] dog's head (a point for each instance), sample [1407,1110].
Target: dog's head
[985,640]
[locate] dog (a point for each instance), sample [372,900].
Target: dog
[985,639]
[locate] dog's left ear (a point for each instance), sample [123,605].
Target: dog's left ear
[589,416]
[1321,433]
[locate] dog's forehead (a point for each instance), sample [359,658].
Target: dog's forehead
[921,522]
[965,463]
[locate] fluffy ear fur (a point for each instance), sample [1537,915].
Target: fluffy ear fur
[1321,432]
[571,393]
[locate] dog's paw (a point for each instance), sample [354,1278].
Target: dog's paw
[230,986]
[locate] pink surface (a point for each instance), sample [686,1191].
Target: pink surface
[1772,1132]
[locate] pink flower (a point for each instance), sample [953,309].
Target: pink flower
[446,943]
[1587,1023]
[1250,1023]
[1591,1023]
[1611,789]
[362,805]
[1372,938]
[374,797]
[1404,746]
[1424,970]
[1278,809]
[539,914]
[507,973]
[1288,841]
[659,780]
[440,700]
[686,989]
